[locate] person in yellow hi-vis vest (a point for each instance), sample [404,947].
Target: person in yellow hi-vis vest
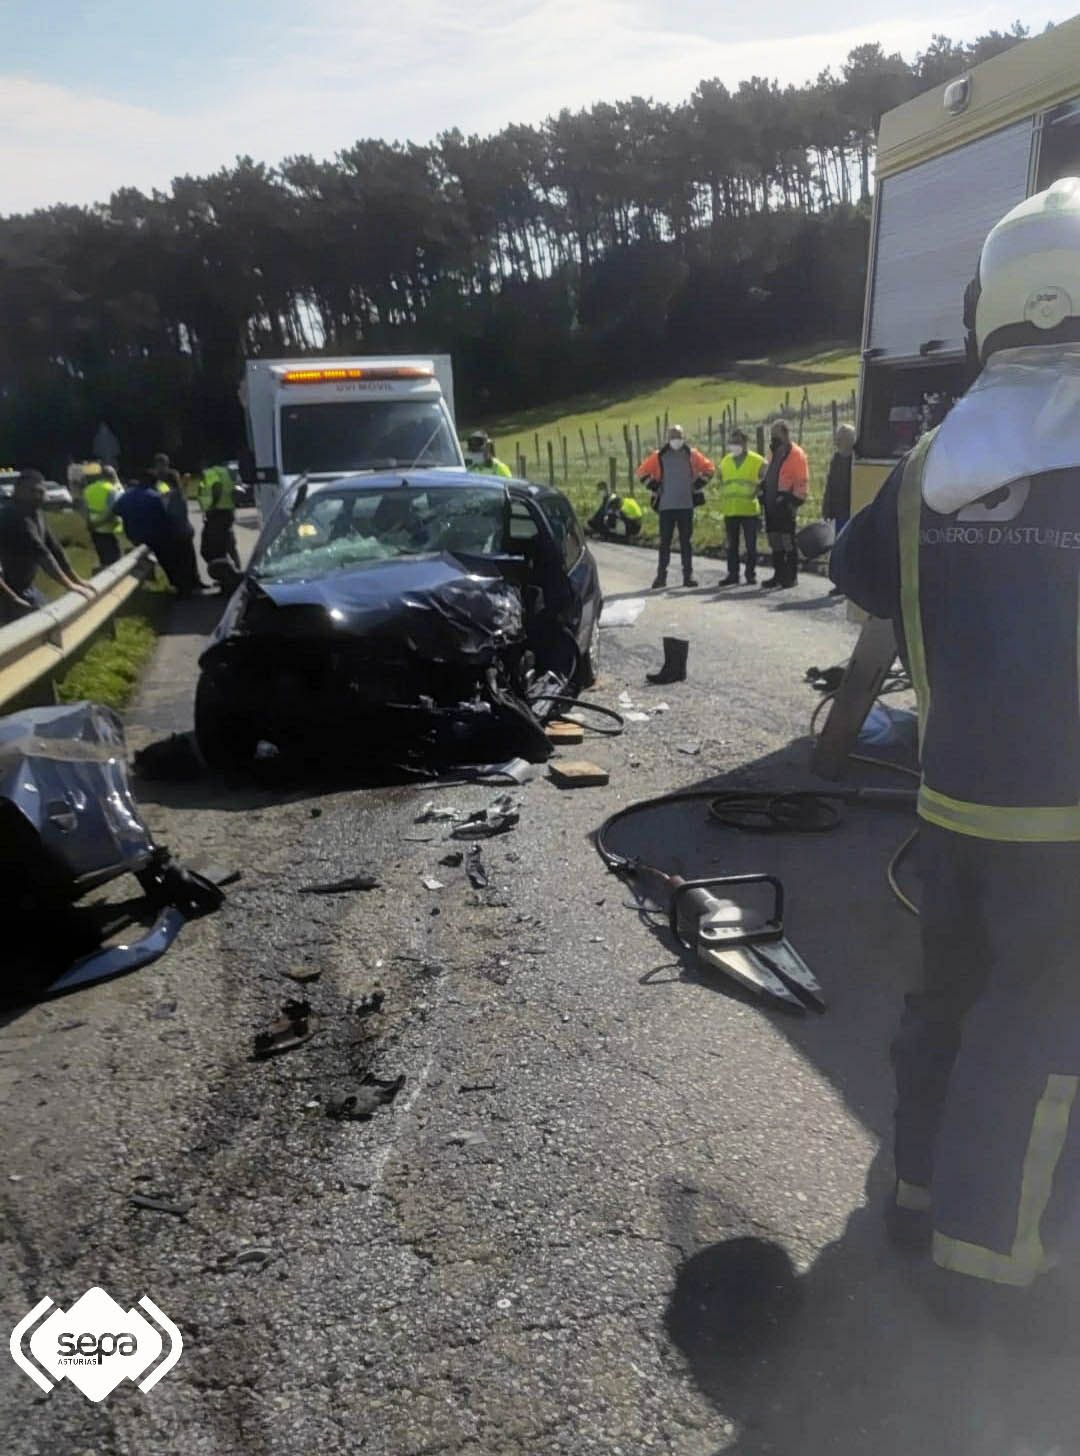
[100,492]
[972,548]
[217,500]
[740,471]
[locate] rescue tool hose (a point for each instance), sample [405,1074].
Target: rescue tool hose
[762,811]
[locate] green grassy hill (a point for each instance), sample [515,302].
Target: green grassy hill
[587,433]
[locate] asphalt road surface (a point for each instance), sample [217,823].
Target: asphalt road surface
[615,1208]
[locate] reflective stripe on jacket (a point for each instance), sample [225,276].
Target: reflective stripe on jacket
[739,484]
[221,477]
[994,662]
[492,467]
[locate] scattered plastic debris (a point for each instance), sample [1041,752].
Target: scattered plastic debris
[499,817]
[365,1100]
[622,613]
[637,717]
[370,1003]
[476,870]
[342,887]
[661,707]
[690,746]
[430,883]
[453,859]
[467,1138]
[432,813]
[159,1205]
[295,1026]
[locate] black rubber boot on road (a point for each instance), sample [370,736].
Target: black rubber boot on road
[660,582]
[676,652]
[733,580]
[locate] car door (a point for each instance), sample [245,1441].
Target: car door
[578,565]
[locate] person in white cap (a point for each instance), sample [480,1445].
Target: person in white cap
[972,547]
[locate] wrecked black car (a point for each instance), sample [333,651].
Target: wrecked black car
[402,615]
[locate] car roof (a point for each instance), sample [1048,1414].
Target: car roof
[434,479]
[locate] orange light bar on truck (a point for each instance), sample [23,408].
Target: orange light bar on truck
[338,376]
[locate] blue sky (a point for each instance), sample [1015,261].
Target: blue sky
[97,94]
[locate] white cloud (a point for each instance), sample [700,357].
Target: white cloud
[408,70]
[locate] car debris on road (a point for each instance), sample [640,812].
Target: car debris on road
[295,1026]
[69,824]
[360,1103]
[342,887]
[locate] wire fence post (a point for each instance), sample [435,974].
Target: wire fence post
[709,446]
[565,462]
[536,442]
[835,416]
[551,464]
[723,438]
[584,447]
[629,456]
[637,441]
[599,442]
[658,432]
[613,474]
[761,439]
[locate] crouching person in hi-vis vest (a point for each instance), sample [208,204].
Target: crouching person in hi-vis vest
[973,548]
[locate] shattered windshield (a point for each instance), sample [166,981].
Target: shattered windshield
[353,434]
[333,529]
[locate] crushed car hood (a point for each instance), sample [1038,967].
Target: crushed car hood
[434,606]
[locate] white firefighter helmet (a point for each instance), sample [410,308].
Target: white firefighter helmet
[1029,273]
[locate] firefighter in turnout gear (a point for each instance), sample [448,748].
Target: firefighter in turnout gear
[973,549]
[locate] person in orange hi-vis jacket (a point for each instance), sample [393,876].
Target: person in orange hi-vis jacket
[676,476]
[785,480]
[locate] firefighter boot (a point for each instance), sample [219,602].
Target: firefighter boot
[676,651]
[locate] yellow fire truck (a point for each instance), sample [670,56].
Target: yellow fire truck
[950,163]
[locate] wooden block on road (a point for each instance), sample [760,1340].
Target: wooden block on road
[562,732]
[578,773]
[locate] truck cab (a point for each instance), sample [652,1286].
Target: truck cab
[950,164]
[326,418]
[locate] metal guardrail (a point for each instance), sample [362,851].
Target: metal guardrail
[35,645]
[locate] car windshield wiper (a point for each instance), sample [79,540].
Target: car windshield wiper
[426,446]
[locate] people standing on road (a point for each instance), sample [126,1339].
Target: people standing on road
[480,456]
[100,492]
[172,493]
[785,481]
[676,476]
[988,1055]
[217,499]
[740,476]
[143,511]
[836,504]
[28,546]
[616,516]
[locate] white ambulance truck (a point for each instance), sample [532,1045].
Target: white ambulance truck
[950,163]
[325,418]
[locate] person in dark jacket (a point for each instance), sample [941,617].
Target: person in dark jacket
[145,516]
[836,504]
[182,548]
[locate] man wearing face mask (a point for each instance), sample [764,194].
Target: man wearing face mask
[785,481]
[480,456]
[740,472]
[676,476]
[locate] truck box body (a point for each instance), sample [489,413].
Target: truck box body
[950,163]
[326,418]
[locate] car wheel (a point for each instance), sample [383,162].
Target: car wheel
[589,669]
[224,732]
